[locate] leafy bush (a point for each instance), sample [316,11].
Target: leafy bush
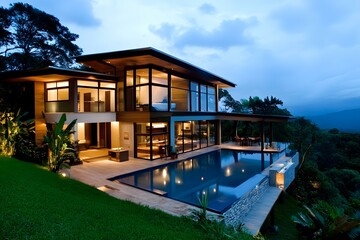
[28,151]
[60,146]
[12,130]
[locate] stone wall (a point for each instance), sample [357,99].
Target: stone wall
[235,215]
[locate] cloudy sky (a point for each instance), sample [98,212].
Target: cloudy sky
[305,53]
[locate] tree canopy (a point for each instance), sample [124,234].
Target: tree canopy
[253,105]
[31,38]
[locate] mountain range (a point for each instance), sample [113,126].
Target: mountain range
[345,121]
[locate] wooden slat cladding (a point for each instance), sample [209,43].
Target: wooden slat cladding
[40,126]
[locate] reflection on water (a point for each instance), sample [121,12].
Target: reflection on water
[217,174]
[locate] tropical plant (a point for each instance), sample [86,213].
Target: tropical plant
[12,130]
[315,225]
[31,38]
[59,143]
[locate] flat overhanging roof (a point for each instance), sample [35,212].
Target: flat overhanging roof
[53,74]
[107,62]
[253,117]
[161,116]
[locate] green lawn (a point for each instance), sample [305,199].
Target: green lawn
[38,204]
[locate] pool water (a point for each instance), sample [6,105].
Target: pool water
[216,174]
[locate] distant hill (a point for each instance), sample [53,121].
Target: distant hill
[345,121]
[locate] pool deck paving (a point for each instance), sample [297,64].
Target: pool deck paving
[96,172]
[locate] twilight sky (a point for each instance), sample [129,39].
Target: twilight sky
[306,53]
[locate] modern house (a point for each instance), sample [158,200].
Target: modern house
[142,100]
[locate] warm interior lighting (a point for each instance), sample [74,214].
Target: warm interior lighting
[164,173]
[158,125]
[63,174]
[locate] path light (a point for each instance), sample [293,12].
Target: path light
[65,172]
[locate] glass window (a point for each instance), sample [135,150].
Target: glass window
[202,88]
[106,100]
[211,103]
[160,98]
[51,85]
[211,90]
[179,136]
[203,134]
[52,95]
[63,84]
[195,131]
[88,83]
[142,98]
[179,82]
[63,94]
[203,100]
[180,99]
[88,100]
[194,101]
[159,77]
[194,86]
[130,78]
[152,140]
[142,76]
[212,130]
[107,85]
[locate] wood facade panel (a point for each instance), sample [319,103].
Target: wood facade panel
[40,125]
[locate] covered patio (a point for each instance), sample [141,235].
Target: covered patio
[262,142]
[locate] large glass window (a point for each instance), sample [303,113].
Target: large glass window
[204,133]
[58,97]
[142,76]
[142,98]
[203,98]
[95,96]
[180,99]
[211,99]
[147,90]
[151,140]
[192,135]
[160,98]
[194,87]
[179,94]
[57,91]
[159,77]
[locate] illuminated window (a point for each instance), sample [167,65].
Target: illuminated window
[57,91]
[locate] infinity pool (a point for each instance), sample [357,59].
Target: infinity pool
[217,174]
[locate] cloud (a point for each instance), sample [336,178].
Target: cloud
[77,12]
[207,8]
[321,22]
[229,33]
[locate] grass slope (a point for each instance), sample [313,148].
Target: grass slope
[38,204]
[284,208]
